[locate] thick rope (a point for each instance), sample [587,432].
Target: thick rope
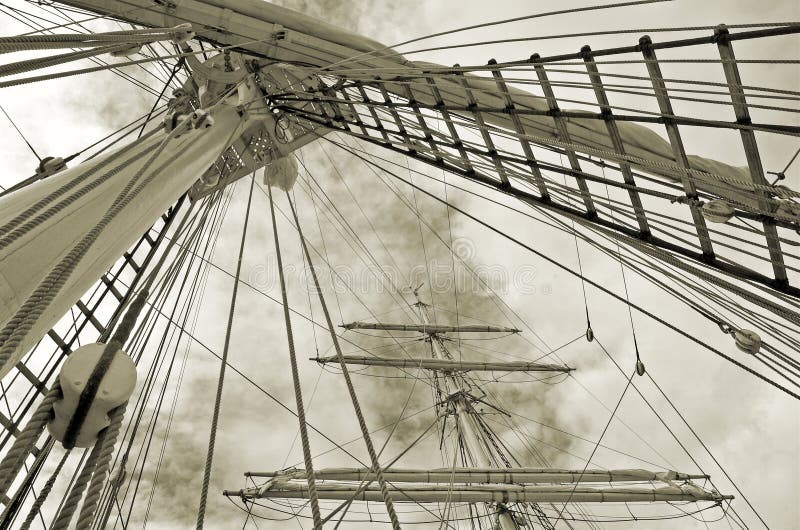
[46,62]
[376,467]
[64,516]
[44,492]
[24,139]
[108,440]
[73,37]
[120,337]
[75,45]
[97,466]
[100,68]
[25,442]
[301,416]
[212,437]
[77,40]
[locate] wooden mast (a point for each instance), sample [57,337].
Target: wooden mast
[476,450]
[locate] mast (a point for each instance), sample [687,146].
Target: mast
[482,463]
[487,476]
[476,453]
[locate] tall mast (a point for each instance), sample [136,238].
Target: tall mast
[487,477]
[477,455]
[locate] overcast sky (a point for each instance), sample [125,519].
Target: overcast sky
[752,429]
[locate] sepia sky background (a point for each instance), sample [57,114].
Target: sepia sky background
[751,428]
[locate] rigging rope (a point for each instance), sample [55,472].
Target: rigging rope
[201,512]
[98,481]
[198,285]
[96,467]
[46,62]
[20,133]
[74,40]
[106,441]
[45,491]
[624,283]
[110,351]
[301,416]
[359,415]
[25,442]
[70,503]
[664,423]
[681,282]
[343,281]
[36,26]
[178,65]
[671,404]
[589,331]
[596,445]
[712,279]
[167,284]
[614,32]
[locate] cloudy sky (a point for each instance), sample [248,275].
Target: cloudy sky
[753,430]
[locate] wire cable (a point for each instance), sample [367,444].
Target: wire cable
[218,398]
